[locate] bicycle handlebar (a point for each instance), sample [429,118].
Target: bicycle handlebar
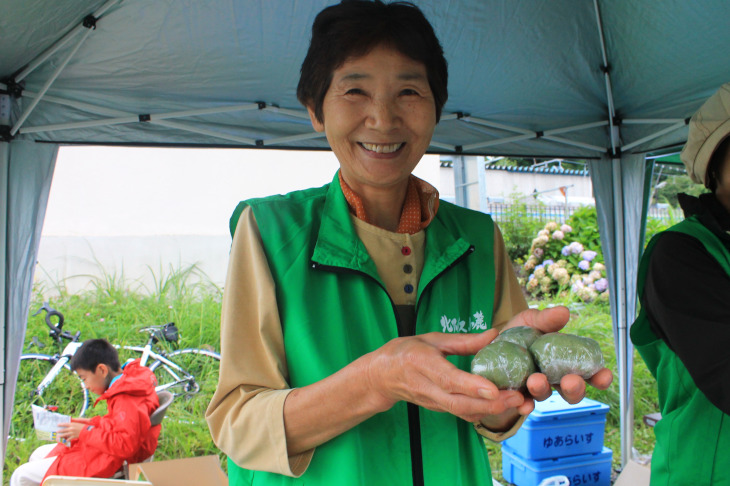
[168,332]
[57,331]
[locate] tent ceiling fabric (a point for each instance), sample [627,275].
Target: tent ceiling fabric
[518,69]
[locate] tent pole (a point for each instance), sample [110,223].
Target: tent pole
[460,182]
[4,194]
[622,361]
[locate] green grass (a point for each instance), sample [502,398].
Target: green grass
[116,308]
[594,321]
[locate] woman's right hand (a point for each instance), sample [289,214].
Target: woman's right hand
[415,369]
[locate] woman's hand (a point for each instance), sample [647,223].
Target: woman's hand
[572,387]
[415,369]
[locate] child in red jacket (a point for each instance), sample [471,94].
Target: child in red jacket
[98,447]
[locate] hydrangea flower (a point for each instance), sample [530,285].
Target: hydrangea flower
[566,228]
[599,266]
[551,226]
[539,271]
[601,285]
[532,285]
[584,265]
[587,294]
[547,262]
[576,248]
[558,235]
[541,240]
[595,274]
[529,264]
[543,232]
[588,255]
[538,252]
[561,276]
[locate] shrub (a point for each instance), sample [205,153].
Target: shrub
[518,227]
[566,262]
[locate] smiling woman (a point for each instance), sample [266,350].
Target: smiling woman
[339,301]
[379,115]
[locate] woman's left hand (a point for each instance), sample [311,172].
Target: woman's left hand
[572,387]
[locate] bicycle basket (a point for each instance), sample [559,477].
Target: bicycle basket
[170,332]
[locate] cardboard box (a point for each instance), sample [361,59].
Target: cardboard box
[583,469]
[190,471]
[558,429]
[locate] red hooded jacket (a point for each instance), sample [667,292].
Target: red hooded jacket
[124,433]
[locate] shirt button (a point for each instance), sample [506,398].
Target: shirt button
[406,250]
[408,288]
[407,268]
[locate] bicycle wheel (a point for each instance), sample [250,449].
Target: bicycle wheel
[192,377]
[66,391]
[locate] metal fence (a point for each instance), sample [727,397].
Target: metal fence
[501,212]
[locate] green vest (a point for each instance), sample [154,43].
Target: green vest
[693,436]
[334,308]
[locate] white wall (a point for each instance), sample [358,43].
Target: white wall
[142,211]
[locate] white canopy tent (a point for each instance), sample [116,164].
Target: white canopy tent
[606,81]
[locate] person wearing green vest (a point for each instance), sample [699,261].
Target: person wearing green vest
[351,312]
[683,328]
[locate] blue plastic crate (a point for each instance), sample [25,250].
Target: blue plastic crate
[558,429]
[581,470]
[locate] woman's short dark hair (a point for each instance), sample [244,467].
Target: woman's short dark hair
[93,353]
[715,165]
[355,27]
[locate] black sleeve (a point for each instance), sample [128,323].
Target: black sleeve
[687,299]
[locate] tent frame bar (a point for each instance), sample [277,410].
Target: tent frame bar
[48,83]
[491,124]
[652,121]
[658,134]
[606,68]
[44,56]
[445,146]
[574,143]
[202,131]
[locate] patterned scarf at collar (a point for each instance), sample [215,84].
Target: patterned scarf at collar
[419,208]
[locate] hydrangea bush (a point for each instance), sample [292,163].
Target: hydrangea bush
[559,265]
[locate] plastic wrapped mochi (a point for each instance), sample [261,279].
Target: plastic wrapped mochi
[522,335]
[505,364]
[558,354]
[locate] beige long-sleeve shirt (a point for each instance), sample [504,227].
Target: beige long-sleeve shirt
[245,415]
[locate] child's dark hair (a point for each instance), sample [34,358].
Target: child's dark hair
[93,353]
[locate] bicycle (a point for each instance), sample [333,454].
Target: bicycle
[190,374]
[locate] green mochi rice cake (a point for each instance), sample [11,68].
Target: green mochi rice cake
[523,336]
[505,364]
[558,354]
